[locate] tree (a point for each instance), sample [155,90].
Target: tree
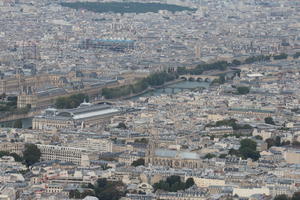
[260,58]
[296,55]
[86,193]
[285,143]
[258,137]
[233,152]
[173,184]
[76,194]
[16,157]
[243,90]
[236,62]
[232,123]
[18,123]
[105,166]
[2,96]
[278,141]
[280,56]
[102,182]
[222,79]
[31,154]
[141,141]
[296,143]
[122,125]
[249,153]
[248,149]
[209,156]
[270,142]
[4,153]
[173,179]
[107,190]
[248,143]
[282,197]
[269,120]
[189,183]
[223,155]
[155,79]
[138,162]
[72,101]
[181,70]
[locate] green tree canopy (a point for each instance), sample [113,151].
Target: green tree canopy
[31,154]
[122,125]
[282,197]
[269,120]
[173,184]
[243,90]
[209,156]
[230,122]
[248,143]
[270,142]
[14,155]
[260,58]
[76,194]
[138,162]
[234,152]
[222,155]
[107,190]
[248,149]
[189,183]
[280,56]
[141,141]
[258,137]
[276,142]
[72,101]
[296,55]
[4,153]
[236,62]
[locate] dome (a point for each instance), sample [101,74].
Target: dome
[84,104]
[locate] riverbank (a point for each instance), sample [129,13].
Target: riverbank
[174,88]
[169,83]
[151,89]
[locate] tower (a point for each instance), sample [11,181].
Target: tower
[150,153]
[197,50]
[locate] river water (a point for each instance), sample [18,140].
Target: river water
[26,123]
[170,89]
[174,88]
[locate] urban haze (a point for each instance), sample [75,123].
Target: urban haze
[150,99]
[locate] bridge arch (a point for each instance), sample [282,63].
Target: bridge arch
[191,79]
[199,79]
[208,80]
[183,78]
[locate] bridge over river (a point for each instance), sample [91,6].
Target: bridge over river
[200,78]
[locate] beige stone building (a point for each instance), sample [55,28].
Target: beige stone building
[66,154]
[292,156]
[206,182]
[12,147]
[173,158]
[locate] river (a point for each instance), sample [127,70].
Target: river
[26,123]
[174,88]
[168,89]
